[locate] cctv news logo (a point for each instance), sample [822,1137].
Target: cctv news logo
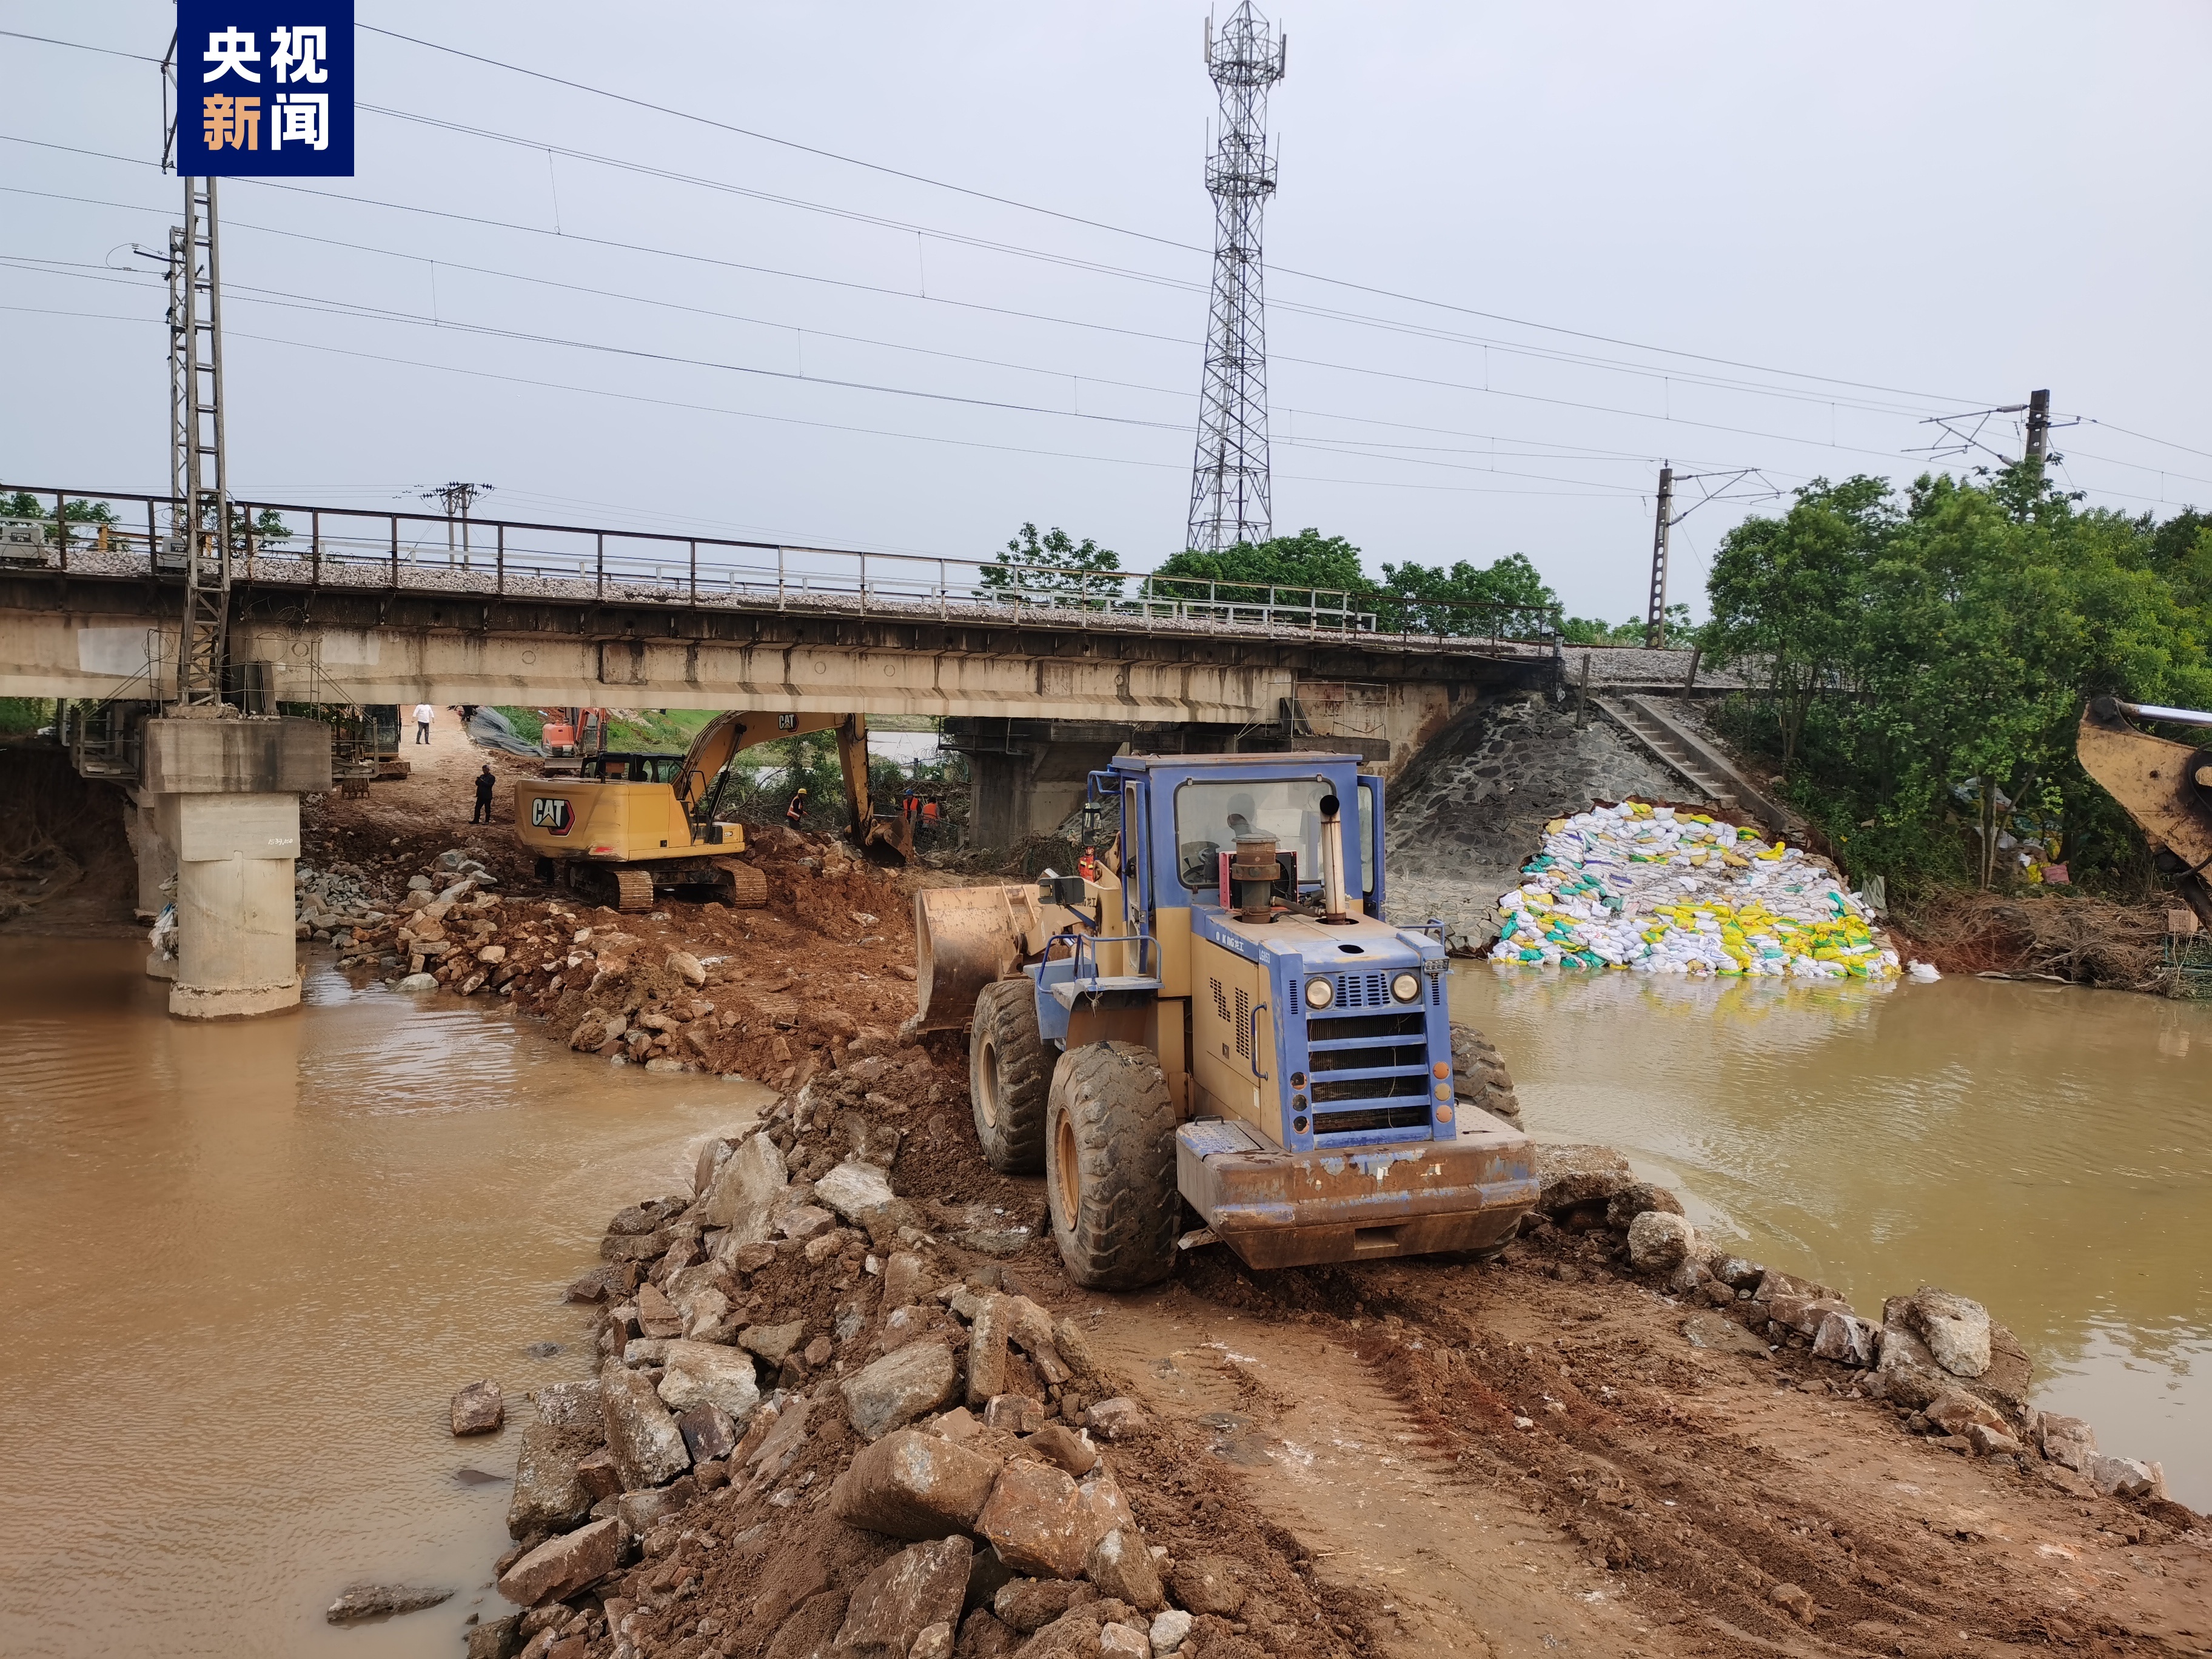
[265,89]
[552,814]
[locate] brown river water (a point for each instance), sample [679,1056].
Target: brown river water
[251,1262]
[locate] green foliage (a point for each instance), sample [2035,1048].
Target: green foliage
[1251,573]
[529,723]
[1592,630]
[267,526]
[21,504]
[1077,572]
[1899,648]
[1509,595]
[19,715]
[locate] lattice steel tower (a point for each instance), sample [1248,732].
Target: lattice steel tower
[1229,486]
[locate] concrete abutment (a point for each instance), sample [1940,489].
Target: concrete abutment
[218,802]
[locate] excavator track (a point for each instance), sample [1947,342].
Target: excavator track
[748,886]
[633,890]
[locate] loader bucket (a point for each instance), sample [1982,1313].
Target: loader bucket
[964,939]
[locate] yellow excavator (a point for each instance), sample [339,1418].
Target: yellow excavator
[631,825]
[2166,787]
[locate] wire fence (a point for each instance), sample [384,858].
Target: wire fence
[116,533]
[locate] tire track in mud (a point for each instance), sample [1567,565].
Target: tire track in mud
[1437,1430]
[1318,1438]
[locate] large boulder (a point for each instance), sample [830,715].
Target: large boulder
[479,1408]
[857,1191]
[1037,1519]
[708,1373]
[899,1387]
[922,1585]
[1955,1330]
[912,1485]
[549,1495]
[742,1191]
[987,1335]
[1659,1242]
[2067,1441]
[1121,1566]
[647,1446]
[557,1569]
[1570,1178]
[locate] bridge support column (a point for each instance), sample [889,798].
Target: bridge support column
[226,797]
[1026,776]
[156,857]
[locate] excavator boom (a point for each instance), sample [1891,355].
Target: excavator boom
[2165,786]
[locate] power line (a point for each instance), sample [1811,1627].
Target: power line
[1146,236]
[781,419]
[1052,213]
[709,259]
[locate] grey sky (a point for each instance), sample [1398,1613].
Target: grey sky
[1957,203]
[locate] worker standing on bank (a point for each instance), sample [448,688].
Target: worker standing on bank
[485,784]
[795,814]
[423,714]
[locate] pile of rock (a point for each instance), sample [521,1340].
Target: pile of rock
[1949,1370]
[787,1338]
[331,905]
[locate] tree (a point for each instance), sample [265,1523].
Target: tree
[1307,573]
[1052,569]
[1466,600]
[1914,658]
[1785,592]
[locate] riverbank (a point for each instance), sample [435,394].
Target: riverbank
[1610,1438]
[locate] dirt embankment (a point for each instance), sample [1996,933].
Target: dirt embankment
[65,859]
[1577,1447]
[1399,1458]
[2079,941]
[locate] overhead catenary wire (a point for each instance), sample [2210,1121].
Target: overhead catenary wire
[1578,404]
[1097,224]
[1123,230]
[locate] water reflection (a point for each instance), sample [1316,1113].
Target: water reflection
[2042,1148]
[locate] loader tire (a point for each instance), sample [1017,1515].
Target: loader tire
[1009,1074]
[1479,1078]
[1110,1166]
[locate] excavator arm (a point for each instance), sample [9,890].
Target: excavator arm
[699,783]
[2165,786]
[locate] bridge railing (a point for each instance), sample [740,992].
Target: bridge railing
[121,533]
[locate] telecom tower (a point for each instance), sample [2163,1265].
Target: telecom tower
[1229,486]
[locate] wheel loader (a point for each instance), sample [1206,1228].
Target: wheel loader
[1220,1017]
[630,826]
[2165,786]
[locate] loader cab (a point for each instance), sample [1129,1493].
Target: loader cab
[1315,1030]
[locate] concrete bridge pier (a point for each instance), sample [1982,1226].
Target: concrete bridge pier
[1027,775]
[224,798]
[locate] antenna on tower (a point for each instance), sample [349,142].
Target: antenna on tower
[1229,490]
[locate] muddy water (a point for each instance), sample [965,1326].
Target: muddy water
[2044,1148]
[248,1264]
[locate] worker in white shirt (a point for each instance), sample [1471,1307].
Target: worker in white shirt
[424,714]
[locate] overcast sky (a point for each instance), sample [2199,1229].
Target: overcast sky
[1519,255]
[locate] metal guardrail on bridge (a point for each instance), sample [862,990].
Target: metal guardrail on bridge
[374,548]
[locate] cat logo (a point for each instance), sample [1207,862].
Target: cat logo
[551,813]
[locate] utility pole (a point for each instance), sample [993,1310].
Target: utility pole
[1655,627]
[457,499]
[2038,426]
[199,464]
[1230,489]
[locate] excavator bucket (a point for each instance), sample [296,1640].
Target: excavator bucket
[964,939]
